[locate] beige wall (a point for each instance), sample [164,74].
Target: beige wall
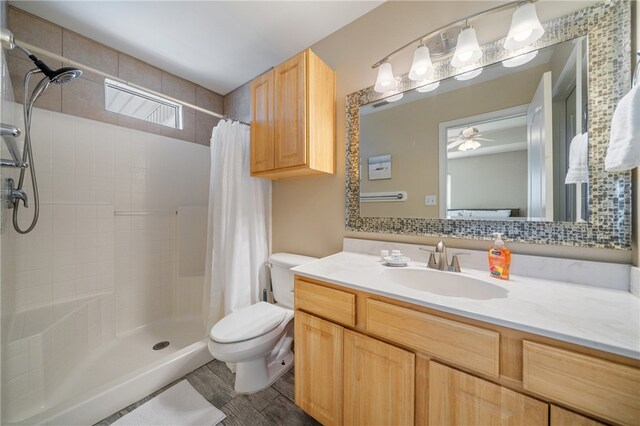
[410,133]
[309,213]
[84,97]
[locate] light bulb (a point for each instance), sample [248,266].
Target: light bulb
[385,80]
[522,35]
[428,87]
[467,49]
[468,75]
[470,144]
[421,67]
[465,56]
[519,60]
[525,28]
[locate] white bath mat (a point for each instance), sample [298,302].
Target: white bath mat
[180,405]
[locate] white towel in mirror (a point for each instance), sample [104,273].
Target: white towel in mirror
[578,160]
[623,152]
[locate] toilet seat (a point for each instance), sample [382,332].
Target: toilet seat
[248,323]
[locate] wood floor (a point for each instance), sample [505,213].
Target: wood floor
[214,381]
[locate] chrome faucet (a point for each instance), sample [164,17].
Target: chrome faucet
[441,249]
[13,195]
[442,262]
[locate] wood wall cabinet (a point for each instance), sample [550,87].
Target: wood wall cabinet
[365,359]
[293,119]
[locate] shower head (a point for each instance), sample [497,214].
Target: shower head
[59,76]
[64,75]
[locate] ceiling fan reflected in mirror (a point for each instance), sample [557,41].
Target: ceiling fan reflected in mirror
[468,139]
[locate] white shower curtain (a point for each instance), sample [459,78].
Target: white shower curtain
[237,240]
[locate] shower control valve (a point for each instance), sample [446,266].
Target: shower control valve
[13,195]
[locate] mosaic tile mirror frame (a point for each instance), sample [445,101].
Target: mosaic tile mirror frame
[607,26]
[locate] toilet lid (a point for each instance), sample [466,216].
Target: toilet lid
[248,323]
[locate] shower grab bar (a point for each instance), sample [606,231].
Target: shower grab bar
[145,213]
[9,134]
[11,163]
[9,130]
[634,81]
[43,52]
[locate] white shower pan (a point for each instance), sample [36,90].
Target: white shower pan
[120,372]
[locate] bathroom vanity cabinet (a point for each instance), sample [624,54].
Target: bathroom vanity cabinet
[363,358]
[293,119]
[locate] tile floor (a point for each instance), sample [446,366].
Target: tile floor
[214,381]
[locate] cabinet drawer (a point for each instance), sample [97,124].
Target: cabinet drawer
[329,303]
[592,385]
[457,343]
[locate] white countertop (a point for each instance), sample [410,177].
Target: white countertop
[599,318]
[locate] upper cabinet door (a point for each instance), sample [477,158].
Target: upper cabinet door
[457,398]
[378,382]
[291,113]
[262,123]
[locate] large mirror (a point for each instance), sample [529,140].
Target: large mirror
[506,142]
[499,149]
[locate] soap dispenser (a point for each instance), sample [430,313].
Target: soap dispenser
[499,258]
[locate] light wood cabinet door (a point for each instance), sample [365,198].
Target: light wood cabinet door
[378,382]
[561,417]
[318,368]
[291,112]
[262,123]
[457,398]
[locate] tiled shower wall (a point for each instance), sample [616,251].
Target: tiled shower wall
[84,97]
[120,243]
[108,222]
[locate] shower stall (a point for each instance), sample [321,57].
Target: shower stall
[101,290]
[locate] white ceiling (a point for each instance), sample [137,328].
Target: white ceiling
[217,44]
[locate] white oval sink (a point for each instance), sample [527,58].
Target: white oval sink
[450,284]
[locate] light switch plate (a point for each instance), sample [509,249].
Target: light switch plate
[430,200]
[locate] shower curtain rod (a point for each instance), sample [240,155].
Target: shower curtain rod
[36,49]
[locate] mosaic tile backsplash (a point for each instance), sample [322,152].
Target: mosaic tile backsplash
[608,27]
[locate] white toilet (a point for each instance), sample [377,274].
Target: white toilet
[258,338]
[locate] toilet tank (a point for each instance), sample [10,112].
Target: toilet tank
[282,276]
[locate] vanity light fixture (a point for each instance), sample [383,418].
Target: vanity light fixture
[421,67]
[428,87]
[519,60]
[469,74]
[525,27]
[467,49]
[385,81]
[395,98]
